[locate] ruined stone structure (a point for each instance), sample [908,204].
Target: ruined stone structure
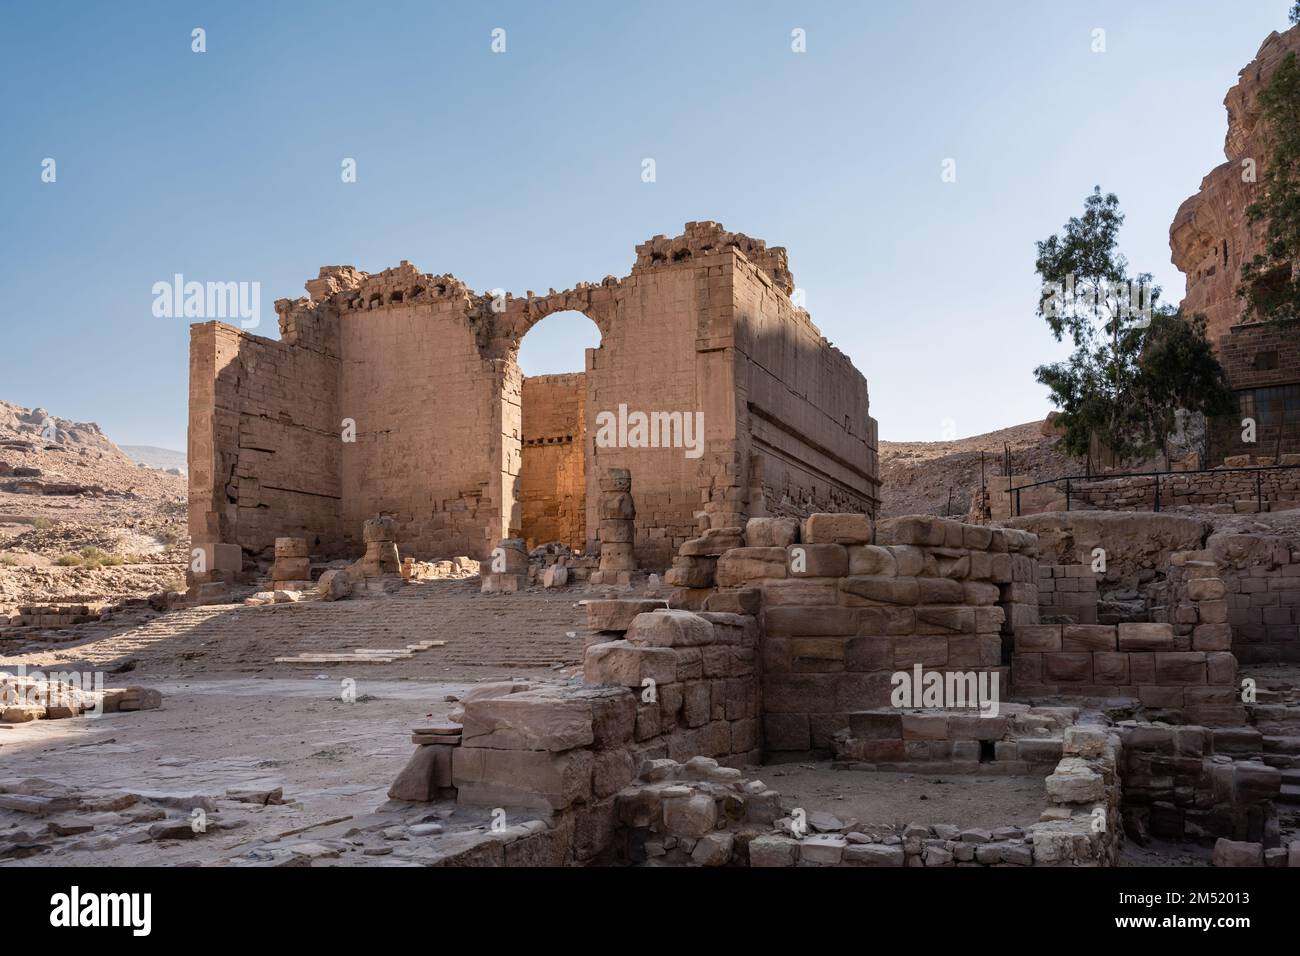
[1211,240]
[803,633]
[400,394]
[552,475]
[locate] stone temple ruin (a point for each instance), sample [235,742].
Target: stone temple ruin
[400,394]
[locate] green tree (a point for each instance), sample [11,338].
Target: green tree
[1271,280]
[1135,362]
[1295,12]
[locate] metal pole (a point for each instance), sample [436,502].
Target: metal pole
[1006,459]
[1157,492]
[1067,494]
[1259,492]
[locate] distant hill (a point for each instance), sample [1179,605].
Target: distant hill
[939,477]
[39,448]
[153,457]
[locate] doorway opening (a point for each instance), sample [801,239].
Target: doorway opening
[552,487]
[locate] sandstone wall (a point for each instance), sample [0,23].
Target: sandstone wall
[670,685]
[423,399]
[264,448]
[1220,490]
[841,615]
[552,479]
[806,430]
[1068,590]
[1138,546]
[648,361]
[1260,356]
[1261,574]
[1224,490]
[1147,662]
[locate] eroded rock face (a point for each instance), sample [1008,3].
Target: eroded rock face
[1210,238]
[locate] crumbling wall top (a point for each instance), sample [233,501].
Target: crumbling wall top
[703,238]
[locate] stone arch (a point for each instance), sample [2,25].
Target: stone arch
[549,500]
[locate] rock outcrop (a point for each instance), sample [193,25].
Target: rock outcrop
[1210,238]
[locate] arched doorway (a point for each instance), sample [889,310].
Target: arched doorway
[551,490]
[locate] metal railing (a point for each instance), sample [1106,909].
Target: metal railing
[1013,493]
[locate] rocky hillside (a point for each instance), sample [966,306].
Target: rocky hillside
[79,520]
[939,477]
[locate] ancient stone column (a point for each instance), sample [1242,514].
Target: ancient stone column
[507,567]
[617,529]
[292,565]
[380,536]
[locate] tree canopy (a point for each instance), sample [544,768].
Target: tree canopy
[1136,361]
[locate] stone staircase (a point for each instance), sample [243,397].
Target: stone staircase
[1276,715]
[432,629]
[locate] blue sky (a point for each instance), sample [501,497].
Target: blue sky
[522,170]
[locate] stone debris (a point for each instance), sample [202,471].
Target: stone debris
[363,655]
[59,695]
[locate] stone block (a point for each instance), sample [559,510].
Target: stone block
[628,665]
[771,532]
[744,565]
[1237,853]
[535,720]
[817,560]
[427,772]
[617,615]
[670,629]
[1180,668]
[1146,637]
[691,816]
[1038,638]
[837,529]
[873,561]
[824,848]
[1065,667]
[531,779]
[768,851]
[879,590]
[1089,637]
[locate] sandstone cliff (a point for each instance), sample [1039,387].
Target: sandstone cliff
[1210,237]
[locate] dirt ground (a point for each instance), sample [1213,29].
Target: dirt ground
[233,718]
[334,761]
